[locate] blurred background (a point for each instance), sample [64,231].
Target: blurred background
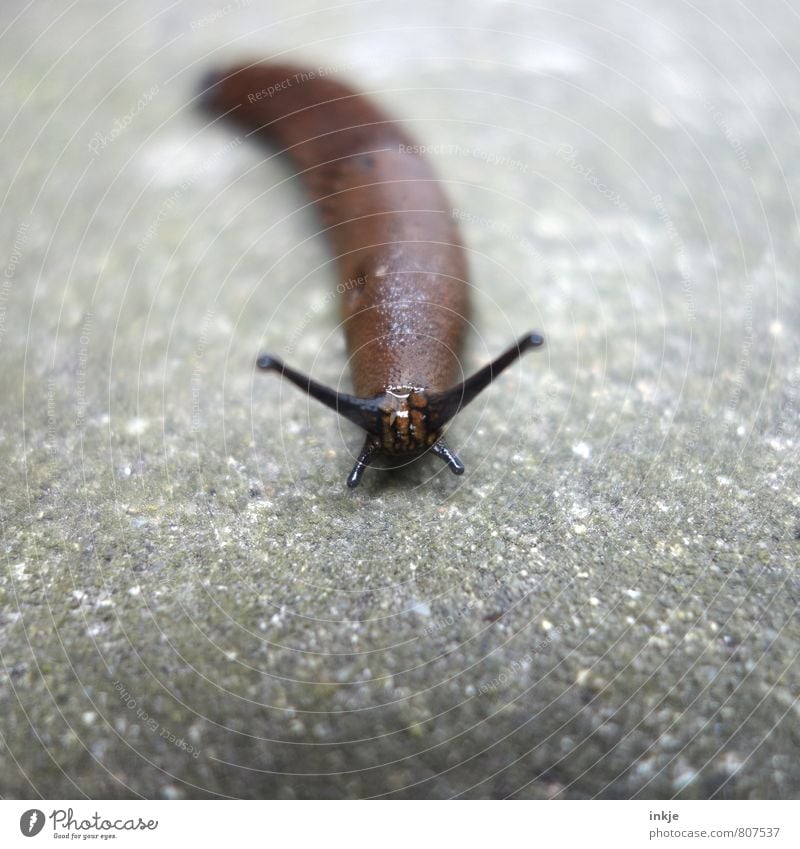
[192,603]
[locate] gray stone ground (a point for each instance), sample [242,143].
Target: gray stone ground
[192,604]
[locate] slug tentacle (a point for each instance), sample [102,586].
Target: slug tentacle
[442,449]
[361,411]
[443,406]
[371,447]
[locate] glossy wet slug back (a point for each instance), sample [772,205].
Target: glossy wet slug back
[390,224]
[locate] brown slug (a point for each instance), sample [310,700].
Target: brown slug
[406,302]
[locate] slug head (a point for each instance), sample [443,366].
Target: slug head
[405,428]
[404,420]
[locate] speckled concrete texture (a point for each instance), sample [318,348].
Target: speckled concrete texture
[605,605]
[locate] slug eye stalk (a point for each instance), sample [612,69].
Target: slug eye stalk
[444,405]
[372,414]
[361,411]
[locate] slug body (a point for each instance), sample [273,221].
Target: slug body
[402,269]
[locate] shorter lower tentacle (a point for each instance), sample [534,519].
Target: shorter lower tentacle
[367,452]
[441,449]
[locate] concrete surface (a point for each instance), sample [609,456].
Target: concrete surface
[192,604]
